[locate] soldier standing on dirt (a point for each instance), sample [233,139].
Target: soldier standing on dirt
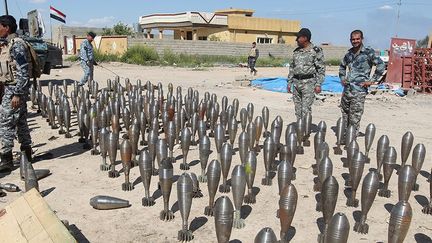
[307,71]
[87,58]
[14,65]
[359,60]
[252,58]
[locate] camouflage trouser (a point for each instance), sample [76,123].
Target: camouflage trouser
[13,121]
[251,63]
[303,96]
[352,106]
[88,71]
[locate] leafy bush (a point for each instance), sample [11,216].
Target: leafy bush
[104,57]
[140,54]
[333,62]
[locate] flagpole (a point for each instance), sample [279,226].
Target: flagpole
[51,31]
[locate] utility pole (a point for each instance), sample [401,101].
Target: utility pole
[398,16]
[6,7]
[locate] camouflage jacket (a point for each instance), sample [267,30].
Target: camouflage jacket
[306,62]
[360,66]
[14,65]
[86,51]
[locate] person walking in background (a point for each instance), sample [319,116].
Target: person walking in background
[359,60]
[252,58]
[307,71]
[15,76]
[87,58]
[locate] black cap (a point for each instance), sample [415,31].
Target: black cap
[92,34]
[304,32]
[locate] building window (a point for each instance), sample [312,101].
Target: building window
[202,37]
[264,40]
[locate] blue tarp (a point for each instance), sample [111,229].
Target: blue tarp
[331,84]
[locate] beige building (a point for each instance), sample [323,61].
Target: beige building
[230,25]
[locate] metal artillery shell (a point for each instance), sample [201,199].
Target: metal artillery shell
[213,178]
[338,229]
[369,137]
[382,146]
[250,111]
[185,145]
[94,133]
[285,173]
[230,112]
[340,126]
[251,132]
[112,150]
[146,171]
[9,187]
[204,152]
[31,180]
[115,124]
[143,126]
[235,105]
[171,137]
[224,103]
[184,197]
[126,118]
[318,139]
[356,169]
[266,235]
[259,126]
[50,88]
[243,144]
[219,136]
[325,170]
[352,149]
[103,145]
[406,144]
[213,118]
[196,191]
[418,157]
[292,145]
[126,157]
[194,126]
[23,165]
[250,169]
[134,133]
[243,118]
[107,202]
[369,190]
[389,162]
[400,220]
[265,116]
[223,214]
[238,183]
[223,118]
[202,128]
[287,207]
[351,135]
[161,150]
[269,156]
[152,140]
[226,158]
[276,131]
[308,123]
[329,196]
[166,180]
[300,129]
[232,130]
[67,117]
[322,127]
[406,182]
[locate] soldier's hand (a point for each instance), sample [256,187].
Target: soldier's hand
[344,82]
[15,102]
[288,87]
[318,89]
[366,84]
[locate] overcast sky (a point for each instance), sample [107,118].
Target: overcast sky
[329,20]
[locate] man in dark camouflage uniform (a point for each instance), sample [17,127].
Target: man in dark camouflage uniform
[359,60]
[14,75]
[306,75]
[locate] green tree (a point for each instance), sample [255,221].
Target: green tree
[118,29]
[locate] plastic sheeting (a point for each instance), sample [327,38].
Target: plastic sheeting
[331,84]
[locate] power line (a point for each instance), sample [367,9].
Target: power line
[398,17]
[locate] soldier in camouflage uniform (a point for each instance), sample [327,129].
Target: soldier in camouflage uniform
[14,75]
[87,58]
[359,60]
[306,75]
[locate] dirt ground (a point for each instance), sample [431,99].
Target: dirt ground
[76,176]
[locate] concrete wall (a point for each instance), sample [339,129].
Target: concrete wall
[107,44]
[229,48]
[60,31]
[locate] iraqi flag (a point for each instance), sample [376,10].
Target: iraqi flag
[56,14]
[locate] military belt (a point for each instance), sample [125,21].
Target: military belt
[306,76]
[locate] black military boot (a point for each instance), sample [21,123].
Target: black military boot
[28,152]
[6,161]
